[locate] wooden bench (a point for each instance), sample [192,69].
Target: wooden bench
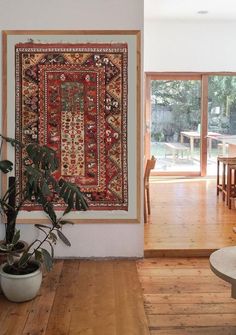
[176,149]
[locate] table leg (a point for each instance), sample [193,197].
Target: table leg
[191,146]
[209,147]
[181,138]
[223,148]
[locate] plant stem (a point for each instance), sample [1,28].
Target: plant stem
[41,242]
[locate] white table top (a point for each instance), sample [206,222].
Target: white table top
[230,139]
[196,134]
[223,264]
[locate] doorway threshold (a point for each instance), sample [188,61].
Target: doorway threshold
[153,253]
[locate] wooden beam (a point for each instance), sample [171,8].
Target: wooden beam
[204,125]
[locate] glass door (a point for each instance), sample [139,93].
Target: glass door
[174,124]
[221,118]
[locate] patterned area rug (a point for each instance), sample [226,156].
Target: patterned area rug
[73,98]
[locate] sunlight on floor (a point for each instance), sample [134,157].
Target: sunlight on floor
[171,179]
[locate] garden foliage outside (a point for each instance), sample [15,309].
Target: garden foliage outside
[176,107]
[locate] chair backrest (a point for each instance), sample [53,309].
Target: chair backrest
[149,166]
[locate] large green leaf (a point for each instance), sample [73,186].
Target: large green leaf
[52,181]
[45,189]
[38,255]
[63,238]
[43,157]
[52,249]
[81,203]
[6,166]
[72,196]
[41,226]
[47,259]
[63,222]
[34,179]
[24,258]
[48,208]
[16,237]
[39,186]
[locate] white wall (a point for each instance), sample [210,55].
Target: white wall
[189,46]
[98,240]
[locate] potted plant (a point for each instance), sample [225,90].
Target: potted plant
[42,188]
[8,208]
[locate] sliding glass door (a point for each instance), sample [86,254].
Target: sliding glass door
[190,120]
[174,123]
[221,118]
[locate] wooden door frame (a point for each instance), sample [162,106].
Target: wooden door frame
[203,77]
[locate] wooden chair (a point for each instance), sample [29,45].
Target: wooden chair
[149,166]
[225,183]
[231,184]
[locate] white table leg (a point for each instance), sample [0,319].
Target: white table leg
[209,147]
[223,148]
[191,146]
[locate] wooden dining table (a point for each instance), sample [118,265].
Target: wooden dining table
[195,135]
[226,140]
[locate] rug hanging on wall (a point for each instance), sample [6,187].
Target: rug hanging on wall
[73,98]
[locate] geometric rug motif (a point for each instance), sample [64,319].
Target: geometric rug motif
[73,98]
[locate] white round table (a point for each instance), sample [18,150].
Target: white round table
[223,264]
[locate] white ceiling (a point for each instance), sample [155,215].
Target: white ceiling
[187,9]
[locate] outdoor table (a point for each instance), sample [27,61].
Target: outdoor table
[225,139]
[193,135]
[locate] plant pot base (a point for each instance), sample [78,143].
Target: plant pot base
[19,288]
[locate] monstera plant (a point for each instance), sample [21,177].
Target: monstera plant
[41,188]
[8,208]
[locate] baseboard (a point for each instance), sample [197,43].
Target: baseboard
[152,253]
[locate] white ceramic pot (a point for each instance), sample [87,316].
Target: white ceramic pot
[19,288]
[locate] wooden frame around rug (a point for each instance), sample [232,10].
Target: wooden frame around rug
[133,38]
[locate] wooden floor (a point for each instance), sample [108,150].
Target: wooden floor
[183,297]
[81,298]
[187,218]
[180,297]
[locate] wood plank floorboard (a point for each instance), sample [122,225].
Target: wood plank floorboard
[187,218]
[183,297]
[179,296]
[81,298]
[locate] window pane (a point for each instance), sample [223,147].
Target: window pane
[175,124]
[221,117]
